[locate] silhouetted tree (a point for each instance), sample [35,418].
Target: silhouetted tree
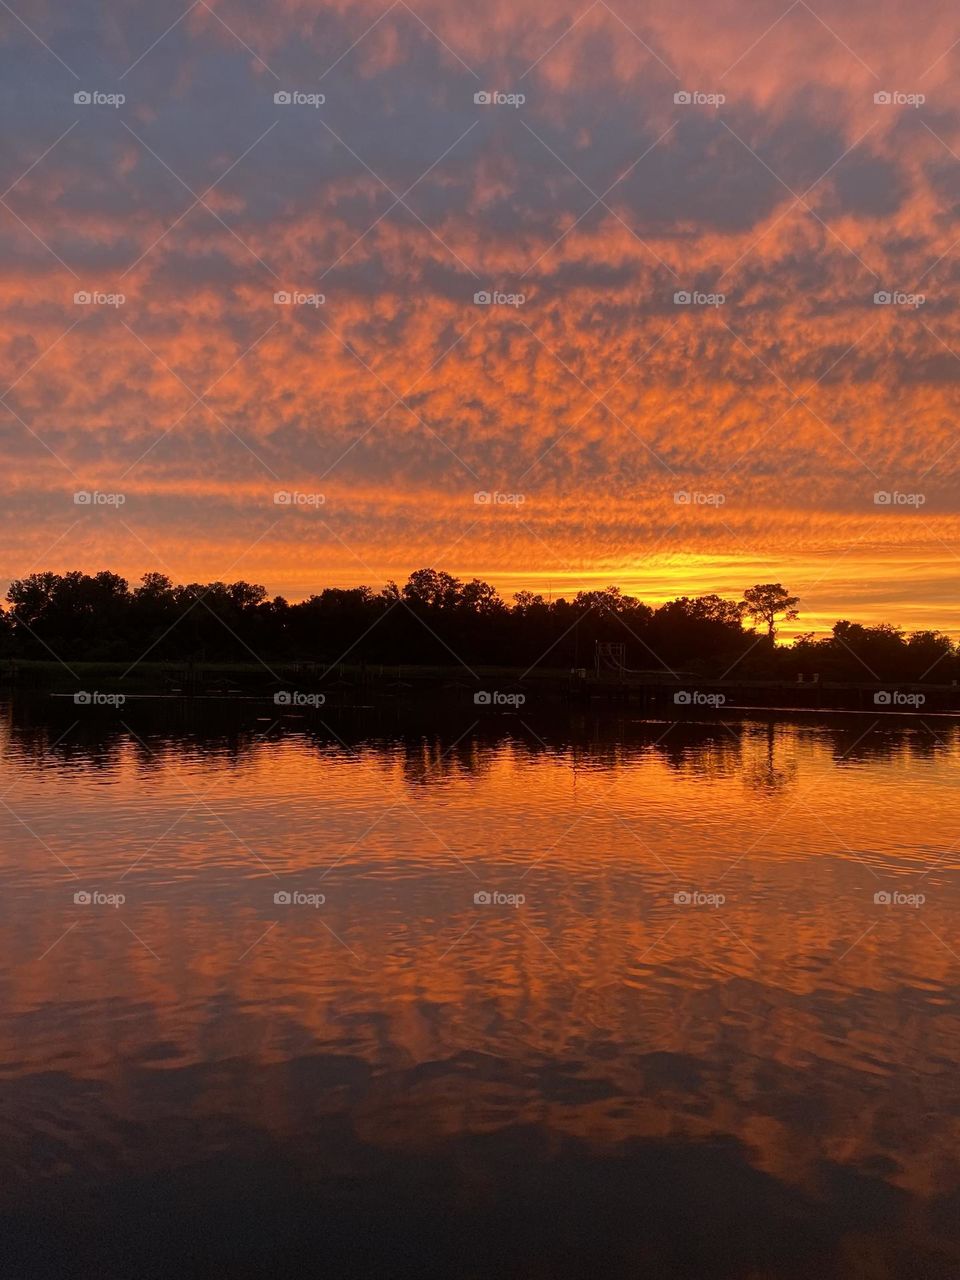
[766,602]
[435,618]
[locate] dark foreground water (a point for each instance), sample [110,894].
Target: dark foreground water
[580,1000]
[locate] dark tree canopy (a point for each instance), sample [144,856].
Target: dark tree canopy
[434,618]
[766,602]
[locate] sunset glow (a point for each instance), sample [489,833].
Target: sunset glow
[595,404]
[479,639]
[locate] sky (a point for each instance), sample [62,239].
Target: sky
[720,243]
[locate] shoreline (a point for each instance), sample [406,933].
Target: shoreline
[307,687]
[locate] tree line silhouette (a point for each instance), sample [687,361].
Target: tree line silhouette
[434,618]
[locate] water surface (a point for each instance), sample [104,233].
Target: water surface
[584,997]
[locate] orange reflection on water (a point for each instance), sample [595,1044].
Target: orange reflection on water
[788,1014]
